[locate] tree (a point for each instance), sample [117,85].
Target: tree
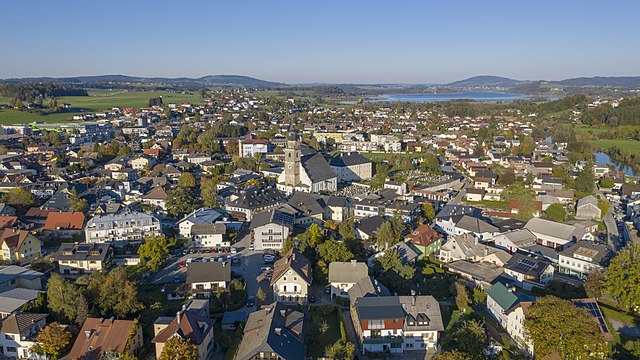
[154,252]
[427,211]
[472,339]
[314,235]
[117,295]
[341,350]
[154,101]
[209,192]
[333,251]
[556,325]
[462,297]
[451,355]
[19,197]
[633,347]
[187,180]
[177,348]
[77,203]
[430,163]
[594,285]
[82,310]
[622,278]
[391,262]
[63,297]
[386,235]
[346,231]
[52,340]
[180,201]
[507,177]
[585,181]
[606,182]
[261,296]
[556,212]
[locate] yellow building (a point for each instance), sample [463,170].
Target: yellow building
[19,246]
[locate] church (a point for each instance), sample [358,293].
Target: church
[305,170]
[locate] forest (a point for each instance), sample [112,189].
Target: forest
[30,92]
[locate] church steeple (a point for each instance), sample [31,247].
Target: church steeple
[292,160]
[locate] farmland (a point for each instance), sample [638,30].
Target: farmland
[97,100]
[629,145]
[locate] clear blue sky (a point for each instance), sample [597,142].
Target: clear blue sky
[321,41]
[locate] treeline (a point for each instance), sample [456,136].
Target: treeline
[30,92]
[627,113]
[573,102]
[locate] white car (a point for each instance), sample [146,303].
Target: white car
[234,250]
[269,258]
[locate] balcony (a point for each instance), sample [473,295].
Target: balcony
[273,234]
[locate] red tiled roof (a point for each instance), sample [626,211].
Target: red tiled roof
[64,220]
[103,336]
[424,235]
[7,221]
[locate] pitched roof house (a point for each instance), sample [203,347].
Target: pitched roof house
[187,325]
[99,336]
[291,277]
[344,275]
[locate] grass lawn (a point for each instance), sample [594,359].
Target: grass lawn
[386,156]
[631,145]
[97,100]
[324,329]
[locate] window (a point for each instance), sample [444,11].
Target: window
[12,349]
[376,324]
[8,337]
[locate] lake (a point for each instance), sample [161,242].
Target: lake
[603,158]
[421,98]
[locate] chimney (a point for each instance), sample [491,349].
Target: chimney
[178,316]
[278,331]
[283,313]
[413,298]
[354,262]
[111,319]
[100,320]
[87,334]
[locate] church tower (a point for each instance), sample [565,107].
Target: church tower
[292,160]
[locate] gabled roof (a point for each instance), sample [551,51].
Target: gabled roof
[367,287]
[317,167]
[103,335]
[347,272]
[506,298]
[295,261]
[424,235]
[20,323]
[423,309]
[349,159]
[379,307]
[64,220]
[7,221]
[274,216]
[187,325]
[555,229]
[198,272]
[14,238]
[527,265]
[370,225]
[208,229]
[275,328]
[157,193]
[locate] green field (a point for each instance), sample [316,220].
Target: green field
[631,145]
[97,100]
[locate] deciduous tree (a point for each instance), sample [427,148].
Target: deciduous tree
[556,325]
[154,252]
[181,201]
[20,197]
[556,212]
[472,339]
[63,297]
[52,340]
[462,297]
[176,348]
[187,180]
[622,278]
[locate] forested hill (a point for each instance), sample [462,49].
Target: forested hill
[30,91]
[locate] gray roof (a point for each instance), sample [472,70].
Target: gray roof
[483,271]
[367,287]
[83,251]
[13,299]
[206,229]
[453,210]
[522,237]
[555,229]
[198,272]
[588,200]
[307,203]
[337,201]
[527,265]
[370,225]
[347,272]
[257,198]
[474,224]
[275,328]
[348,159]
[203,215]
[379,307]
[585,250]
[7,273]
[123,220]
[317,167]
[423,308]
[276,216]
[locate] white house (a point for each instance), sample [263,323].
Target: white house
[204,278]
[209,235]
[18,332]
[582,258]
[271,228]
[556,235]
[122,228]
[203,215]
[343,275]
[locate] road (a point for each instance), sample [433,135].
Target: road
[458,198]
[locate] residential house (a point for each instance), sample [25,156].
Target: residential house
[13,276]
[18,332]
[344,275]
[204,278]
[99,336]
[209,235]
[481,274]
[425,239]
[528,272]
[588,209]
[63,224]
[467,247]
[513,240]
[473,194]
[465,224]
[291,277]
[203,215]
[275,331]
[511,308]
[122,228]
[187,325]
[156,197]
[366,229]
[143,162]
[83,258]
[271,228]
[582,258]
[253,200]
[19,246]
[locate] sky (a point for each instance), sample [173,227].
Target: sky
[326,41]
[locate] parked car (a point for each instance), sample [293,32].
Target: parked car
[251,246]
[183,264]
[234,250]
[235,260]
[269,258]
[214,250]
[327,290]
[251,301]
[266,268]
[312,299]
[189,260]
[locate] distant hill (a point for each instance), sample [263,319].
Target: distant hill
[606,81]
[486,81]
[210,80]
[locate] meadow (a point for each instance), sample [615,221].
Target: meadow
[97,100]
